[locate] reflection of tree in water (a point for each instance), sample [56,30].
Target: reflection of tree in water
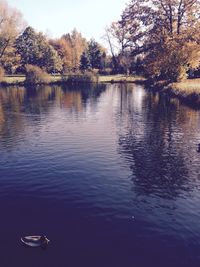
[73,97]
[11,101]
[88,91]
[19,105]
[150,144]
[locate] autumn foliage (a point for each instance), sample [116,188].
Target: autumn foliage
[160,38]
[2,73]
[164,34]
[35,75]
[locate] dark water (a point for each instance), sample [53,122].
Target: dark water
[110,174]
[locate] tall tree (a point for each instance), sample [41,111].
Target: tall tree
[11,25]
[64,51]
[95,54]
[77,45]
[85,61]
[34,49]
[166,31]
[154,20]
[10,60]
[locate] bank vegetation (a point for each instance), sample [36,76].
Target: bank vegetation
[156,39]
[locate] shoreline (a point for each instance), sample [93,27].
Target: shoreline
[188,91]
[19,80]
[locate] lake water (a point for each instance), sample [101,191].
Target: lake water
[110,174]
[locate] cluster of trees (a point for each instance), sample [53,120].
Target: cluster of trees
[160,38]
[162,34]
[11,24]
[22,46]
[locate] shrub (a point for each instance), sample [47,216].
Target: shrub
[106,71]
[2,73]
[79,78]
[35,75]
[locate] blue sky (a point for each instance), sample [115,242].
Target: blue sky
[58,17]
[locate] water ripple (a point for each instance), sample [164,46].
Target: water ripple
[106,170]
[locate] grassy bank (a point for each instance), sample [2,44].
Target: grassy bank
[120,79]
[59,79]
[13,80]
[54,79]
[188,91]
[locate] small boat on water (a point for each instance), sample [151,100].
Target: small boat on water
[35,241]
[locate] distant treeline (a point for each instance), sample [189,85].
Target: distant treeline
[21,46]
[160,39]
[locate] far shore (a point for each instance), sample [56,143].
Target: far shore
[187,91]
[60,79]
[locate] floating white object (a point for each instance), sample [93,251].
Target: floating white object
[35,241]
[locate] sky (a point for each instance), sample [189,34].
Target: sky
[90,17]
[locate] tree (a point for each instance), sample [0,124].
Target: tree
[10,60]
[51,60]
[95,54]
[164,31]
[173,60]
[77,45]
[118,37]
[34,49]
[11,25]
[121,35]
[85,61]
[64,51]
[108,37]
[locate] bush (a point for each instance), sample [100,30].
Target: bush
[79,78]
[35,75]
[2,73]
[106,71]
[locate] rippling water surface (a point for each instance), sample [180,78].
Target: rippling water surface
[110,174]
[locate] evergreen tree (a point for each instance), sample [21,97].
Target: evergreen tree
[34,49]
[95,54]
[85,61]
